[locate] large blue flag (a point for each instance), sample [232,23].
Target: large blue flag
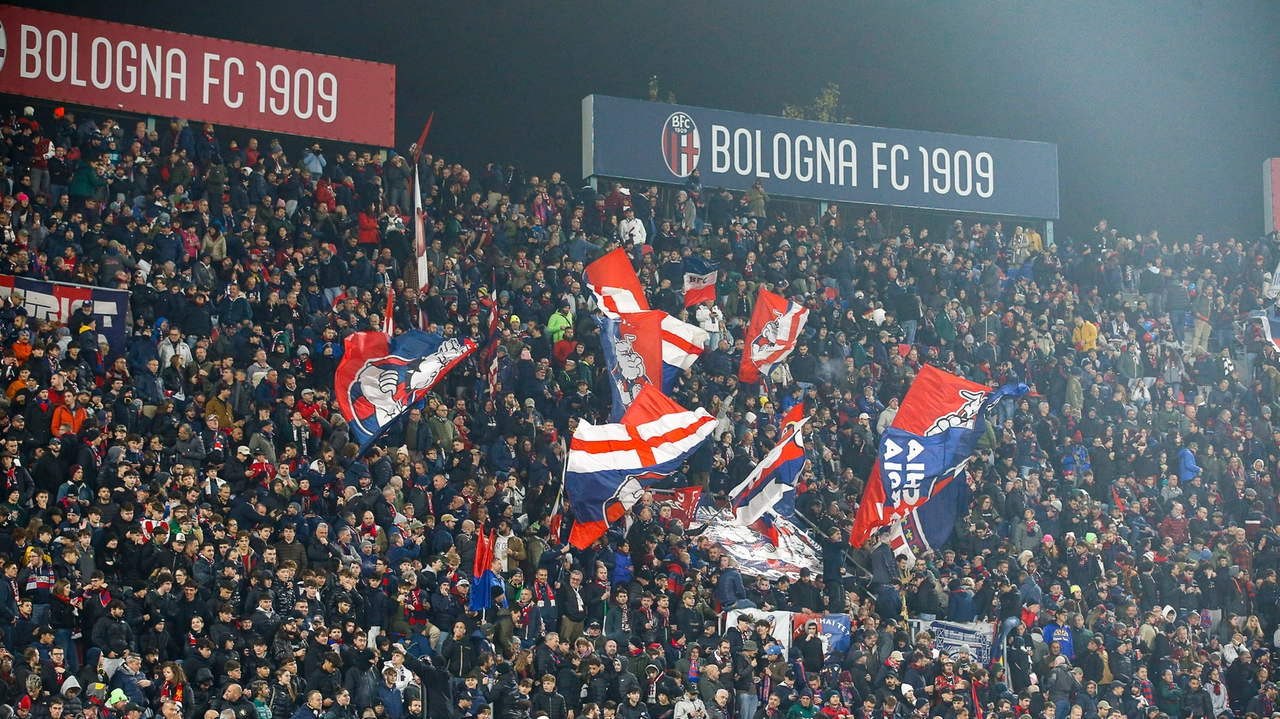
[926,448]
[379,379]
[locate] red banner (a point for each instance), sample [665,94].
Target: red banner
[157,72]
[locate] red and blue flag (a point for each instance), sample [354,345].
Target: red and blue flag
[379,378]
[763,491]
[700,280]
[611,465]
[632,346]
[618,293]
[775,328]
[925,528]
[926,448]
[483,580]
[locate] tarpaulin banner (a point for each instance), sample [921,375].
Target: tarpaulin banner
[834,629]
[978,637]
[157,72]
[787,626]
[757,556]
[657,142]
[55,301]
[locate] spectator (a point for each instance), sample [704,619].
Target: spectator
[209,454]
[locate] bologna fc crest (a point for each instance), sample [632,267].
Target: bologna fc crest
[681,144]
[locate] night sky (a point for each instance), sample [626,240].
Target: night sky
[1163,112]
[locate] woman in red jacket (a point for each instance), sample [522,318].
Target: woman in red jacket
[369,225]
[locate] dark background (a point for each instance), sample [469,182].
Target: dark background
[1163,111]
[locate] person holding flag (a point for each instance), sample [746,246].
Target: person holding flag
[770,488]
[775,328]
[610,465]
[922,460]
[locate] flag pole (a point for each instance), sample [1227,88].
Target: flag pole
[419,226]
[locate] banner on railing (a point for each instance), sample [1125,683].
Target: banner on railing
[56,301]
[835,629]
[978,637]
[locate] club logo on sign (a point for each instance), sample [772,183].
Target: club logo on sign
[681,144]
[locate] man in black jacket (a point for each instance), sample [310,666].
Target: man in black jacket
[327,679]
[233,698]
[112,634]
[439,690]
[745,679]
[1196,702]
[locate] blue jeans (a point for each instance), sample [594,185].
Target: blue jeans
[747,704]
[909,327]
[1006,629]
[62,638]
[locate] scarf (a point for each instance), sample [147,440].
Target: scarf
[648,615]
[542,592]
[526,616]
[172,692]
[96,452]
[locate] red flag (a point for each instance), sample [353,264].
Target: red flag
[1119,502]
[417,146]
[484,553]
[613,281]
[687,499]
[387,321]
[772,335]
[557,517]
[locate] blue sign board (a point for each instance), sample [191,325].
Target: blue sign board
[656,142]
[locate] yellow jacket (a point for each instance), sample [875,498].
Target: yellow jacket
[1085,336]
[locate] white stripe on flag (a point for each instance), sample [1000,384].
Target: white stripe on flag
[615,301]
[682,343]
[771,493]
[622,458]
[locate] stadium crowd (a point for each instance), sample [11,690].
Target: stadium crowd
[188,532]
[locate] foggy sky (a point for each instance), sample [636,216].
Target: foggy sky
[1162,112]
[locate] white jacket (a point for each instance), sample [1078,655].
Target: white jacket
[690,709]
[634,230]
[710,318]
